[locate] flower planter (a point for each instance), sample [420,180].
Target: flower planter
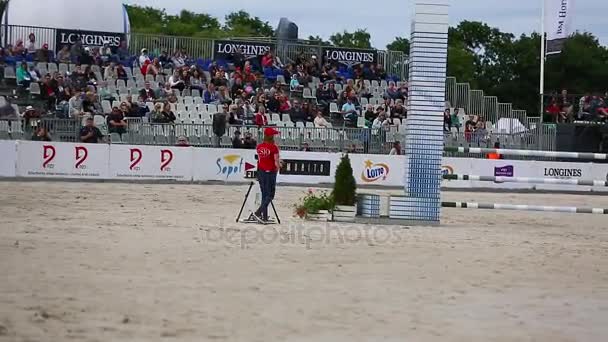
[368,206]
[345,213]
[321,216]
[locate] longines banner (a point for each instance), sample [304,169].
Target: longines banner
[558,23]
[349,57]
[62,160]
[89,38]
[226,49]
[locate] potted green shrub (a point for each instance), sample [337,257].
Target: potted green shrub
[345,192]
[315,206]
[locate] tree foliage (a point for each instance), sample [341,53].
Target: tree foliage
[345,186]
[360,39]
[400,44]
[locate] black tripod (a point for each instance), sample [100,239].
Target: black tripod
[252,219]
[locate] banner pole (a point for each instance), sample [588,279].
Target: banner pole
[542,61]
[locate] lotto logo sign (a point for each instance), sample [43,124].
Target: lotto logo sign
[373,172]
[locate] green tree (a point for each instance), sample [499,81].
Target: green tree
[360,39]
[400,44]
[345,187]
[317,40]
[242,24]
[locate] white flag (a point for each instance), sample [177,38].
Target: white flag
[558,23]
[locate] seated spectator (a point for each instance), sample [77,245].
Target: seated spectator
[284,104]
[166,115]
[48,91]
[41,134]
[182,141]
[121,73]
[44,54]
[305,147]
[143,57]
[396,150]
[105,93]
[176,82]
[447,120]
[178,60]
[90,134]
[75,105]
[598,107]
[19,49]
[110,72]
[237,88]
[297,112]
[223,95]
[105,53]
[122,52]
[77,51]
[381,122]
[349,111]
[197,81]
[237,142]
[78,78]
[147,94]
[260,117]
[249,143]
[320,121]
[233,116]
[370,115]
[211,96]
[24,79]
[90,104]
[398,111]
[63,56]
[554,111]
[268,60]
[273,103]
[392,92]
[116,121]
[31,44]
[469,127]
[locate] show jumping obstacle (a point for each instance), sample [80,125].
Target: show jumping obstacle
[520,207]
[526,180]
[527,153]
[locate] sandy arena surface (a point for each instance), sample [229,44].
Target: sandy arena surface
[131,262]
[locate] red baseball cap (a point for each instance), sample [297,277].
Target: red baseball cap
[269,131]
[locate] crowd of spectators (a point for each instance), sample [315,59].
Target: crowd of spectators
[245,91]
[562,108]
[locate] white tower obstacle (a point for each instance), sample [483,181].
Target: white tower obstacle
[424,141]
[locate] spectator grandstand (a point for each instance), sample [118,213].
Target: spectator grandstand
[142,94]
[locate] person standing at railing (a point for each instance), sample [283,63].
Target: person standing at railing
[495,155]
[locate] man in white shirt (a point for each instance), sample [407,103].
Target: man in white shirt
[349,111]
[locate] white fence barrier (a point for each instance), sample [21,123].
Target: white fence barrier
[102,161]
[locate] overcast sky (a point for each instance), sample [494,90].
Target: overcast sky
[385,19]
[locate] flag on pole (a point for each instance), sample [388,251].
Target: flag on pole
[558,23]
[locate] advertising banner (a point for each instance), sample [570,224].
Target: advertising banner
[151,162]
[308,167]
[558,23]
[580,171]
[8,153]
[226,49]
[349,57]
[62,160]
[89,39]
[378,169]
[227,165]
[502,168]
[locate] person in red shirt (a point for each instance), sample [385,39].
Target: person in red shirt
[269,164]
[260,117]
